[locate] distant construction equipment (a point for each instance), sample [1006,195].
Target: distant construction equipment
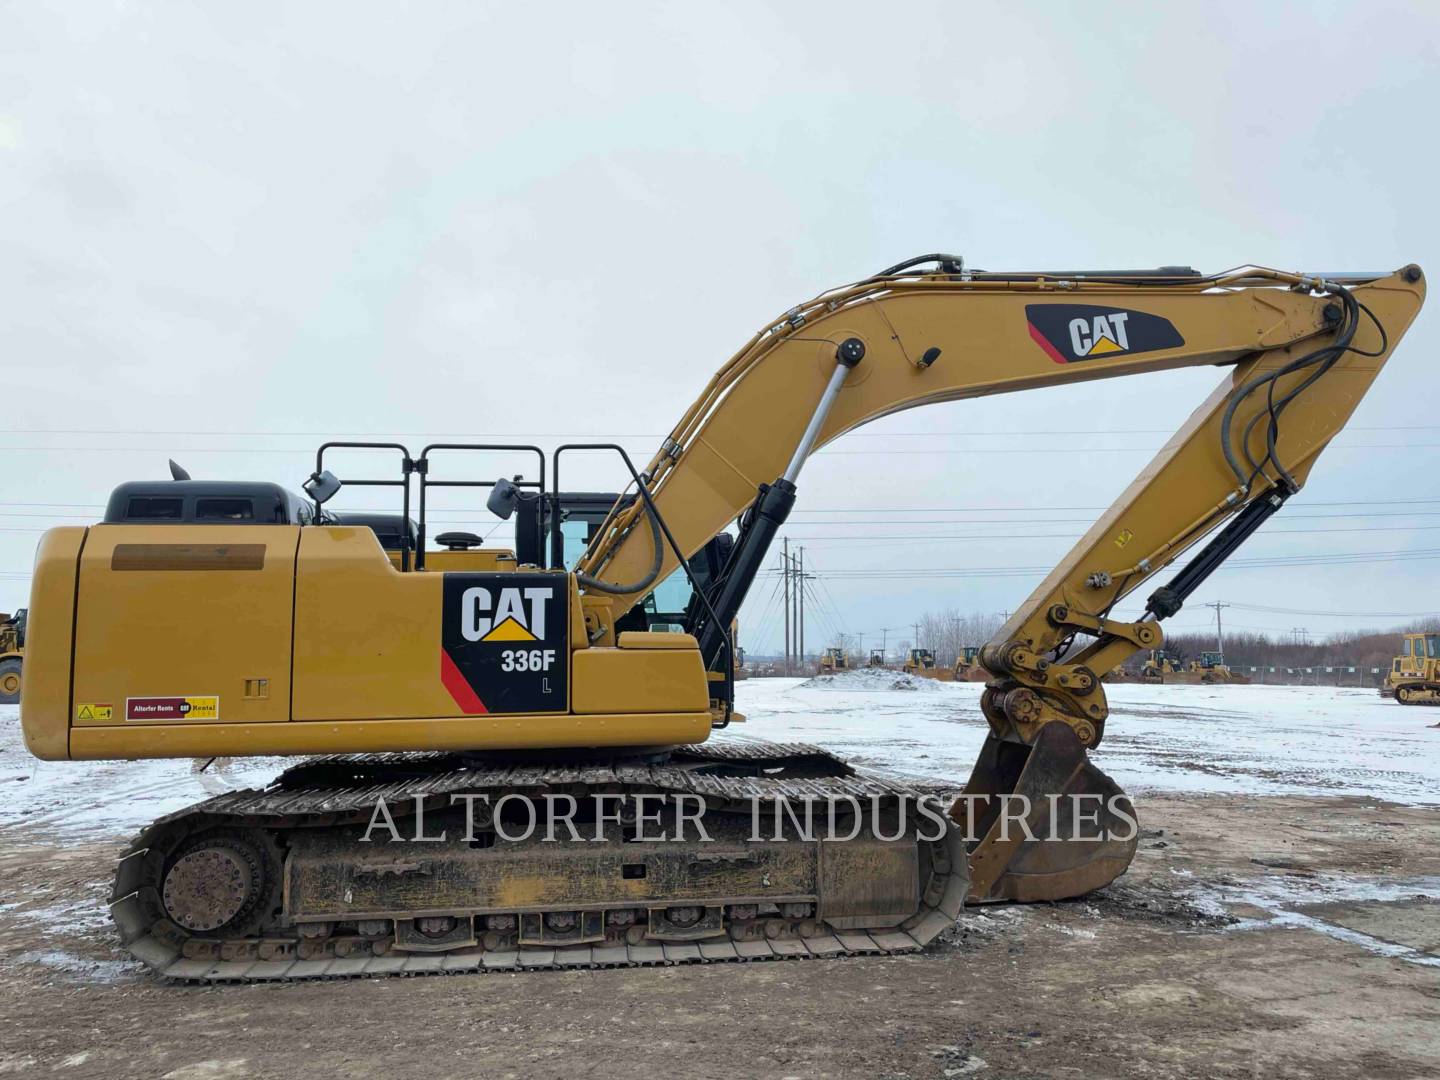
[967,666]
[919,662]
[1414,676]
[1157,665]
[834,659]
[1161,667]
[12,655]
[877,658]
[1211,668]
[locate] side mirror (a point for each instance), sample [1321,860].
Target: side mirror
[322,486]
[504,497]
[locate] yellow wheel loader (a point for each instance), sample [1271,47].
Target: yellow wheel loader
[12,655]
[1414,676]
[509,753]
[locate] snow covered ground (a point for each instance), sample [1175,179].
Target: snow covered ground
[1296,740]
[1235,739]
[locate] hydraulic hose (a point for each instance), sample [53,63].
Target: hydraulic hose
[645,582]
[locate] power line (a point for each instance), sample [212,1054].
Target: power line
[911,510]
[1345,614]
[824,451]
[1075,536]
[1318,559]
[211,433]
[1091,509]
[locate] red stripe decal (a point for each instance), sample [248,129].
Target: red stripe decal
[1044,343]
[460,690]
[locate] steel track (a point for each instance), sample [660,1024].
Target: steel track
[342,791]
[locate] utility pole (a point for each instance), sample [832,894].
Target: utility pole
[884,640]
[1219,638]
[785,571]
[802,608]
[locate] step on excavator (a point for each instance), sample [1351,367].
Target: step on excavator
[451,696]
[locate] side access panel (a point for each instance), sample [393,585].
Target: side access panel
[182,624]
[372,643]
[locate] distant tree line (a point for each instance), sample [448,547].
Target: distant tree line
[946,633]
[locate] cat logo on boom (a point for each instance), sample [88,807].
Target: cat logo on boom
[1073,332]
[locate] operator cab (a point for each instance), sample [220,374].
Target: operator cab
[239,502]
[205,502]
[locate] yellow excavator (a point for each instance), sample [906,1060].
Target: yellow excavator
[1414,675]
[455,696]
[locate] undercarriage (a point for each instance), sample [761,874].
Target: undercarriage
[726,851]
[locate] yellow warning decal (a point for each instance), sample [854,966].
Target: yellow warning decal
[94,710]
[509,630]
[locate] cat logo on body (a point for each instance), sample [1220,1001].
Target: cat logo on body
[518,616]
[503,642]
[1072,332]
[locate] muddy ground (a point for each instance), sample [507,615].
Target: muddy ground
[1255,936]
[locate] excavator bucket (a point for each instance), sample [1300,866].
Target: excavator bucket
[1041,822]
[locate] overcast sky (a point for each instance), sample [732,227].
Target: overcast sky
[232,229]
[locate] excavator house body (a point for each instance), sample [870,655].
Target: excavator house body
[207,640]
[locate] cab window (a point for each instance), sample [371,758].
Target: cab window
[671,596]
[576,538]
[155,508]
[216,509]
[1406,650]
